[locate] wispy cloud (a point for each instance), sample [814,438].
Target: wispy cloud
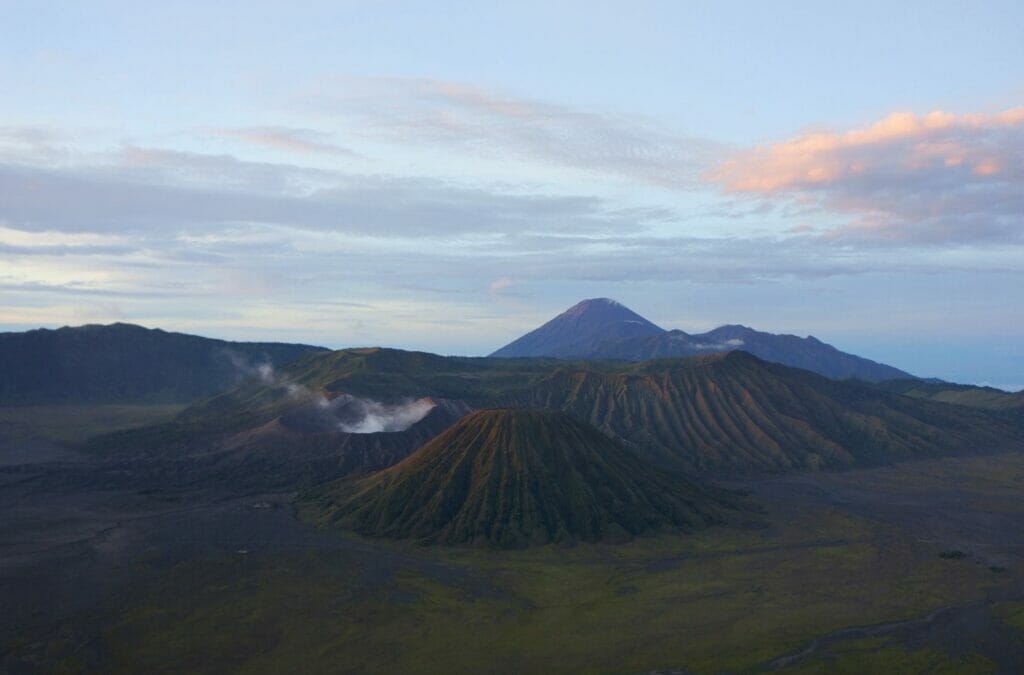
[214,242]
[501,284]
[34,137]
[155,199]
[472,119]
[31,143]
[288,139]
[937,178]
[257,228]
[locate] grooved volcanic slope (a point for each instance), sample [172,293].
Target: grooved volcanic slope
[511,478]
[733,413]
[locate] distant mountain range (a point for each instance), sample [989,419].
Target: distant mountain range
[124,363]
[601,328]
[510,478]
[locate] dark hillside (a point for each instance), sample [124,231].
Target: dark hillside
[124,363]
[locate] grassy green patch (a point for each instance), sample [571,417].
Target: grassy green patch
[897,661]
[1012,613]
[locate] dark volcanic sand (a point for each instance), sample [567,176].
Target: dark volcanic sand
[74,530]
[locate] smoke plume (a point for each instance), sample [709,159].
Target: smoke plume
[378,417]
[344,412]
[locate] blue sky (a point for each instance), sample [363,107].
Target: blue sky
[446,176]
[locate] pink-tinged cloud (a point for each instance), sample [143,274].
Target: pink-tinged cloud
[500,284]
[937,177]
[923,142]
[303,141]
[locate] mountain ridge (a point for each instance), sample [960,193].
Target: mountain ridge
[730,413]
[557,339]
[123,362]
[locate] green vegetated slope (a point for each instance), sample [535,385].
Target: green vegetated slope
[510,478]
[123,363]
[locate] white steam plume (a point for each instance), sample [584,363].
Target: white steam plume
[267,375]
[363,416]
[378,417]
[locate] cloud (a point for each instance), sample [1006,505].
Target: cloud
[288,139]
[167,222]
[74,289]
[629,259]
[33,137]
[937,178]
[19,242]
[104,200]
[59,250]
[488,124]
[176,168]
[32,143]
[501,284]
[218,244]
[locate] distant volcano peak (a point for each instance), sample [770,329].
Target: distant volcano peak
[577,331]
[592,304]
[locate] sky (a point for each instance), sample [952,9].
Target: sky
[446,176]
